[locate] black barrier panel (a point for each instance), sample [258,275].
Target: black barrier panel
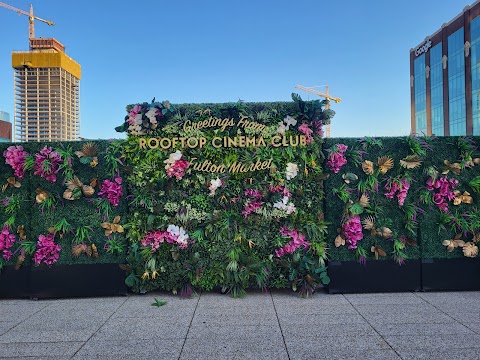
[77,281]
[376,276]
[451,274]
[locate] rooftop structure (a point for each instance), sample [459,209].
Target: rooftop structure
[47,93]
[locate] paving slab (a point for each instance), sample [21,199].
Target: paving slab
[45,349]
[335,354]
[153,329]
[231,332]
[453,329]
[249,346]
[7,325]
[320,319]
[335,343]
[161,348]
[384,299]
[20,311]
[432,354]
[408,318]
[289,298]
[225,318]
[437,343]
[320,331]
[141,306]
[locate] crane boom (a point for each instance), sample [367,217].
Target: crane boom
[31,17]
[326,96]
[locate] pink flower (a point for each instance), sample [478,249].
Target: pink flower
[298,241]
[112,190]
[318,128]
[304,129]
[173,235]
[352,229]
[176,166]
[47,252]
[6,242]
[336,157]
[443,191]
[399,187]
[15,157]
[47,164]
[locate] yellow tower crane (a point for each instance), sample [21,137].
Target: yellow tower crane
[31,18]
[326,96]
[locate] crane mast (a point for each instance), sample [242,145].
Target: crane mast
[326,96]
[31,18]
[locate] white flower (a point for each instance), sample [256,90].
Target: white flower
[172,159]
[291,171]
[182,237]
[151,114]
[289,121]
[173,230]
[214,185]
[284,205]
[281,127]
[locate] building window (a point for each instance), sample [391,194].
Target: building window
[475,57]
[436,90]
[420,91]
[456,84]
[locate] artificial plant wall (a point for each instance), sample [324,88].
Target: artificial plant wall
[226,195]
[62,203]
[402,198]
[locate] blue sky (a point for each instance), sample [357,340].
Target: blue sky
[220,51]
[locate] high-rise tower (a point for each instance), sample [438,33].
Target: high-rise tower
[47,93]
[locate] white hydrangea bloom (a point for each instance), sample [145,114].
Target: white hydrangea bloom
[291,171]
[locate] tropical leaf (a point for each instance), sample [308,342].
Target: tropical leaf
[385,163]
[411,162]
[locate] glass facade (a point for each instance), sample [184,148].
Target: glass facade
[436,90]
[456,83]
[475,57]
[420,91]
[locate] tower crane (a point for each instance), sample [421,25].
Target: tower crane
[326,96]
[31,18]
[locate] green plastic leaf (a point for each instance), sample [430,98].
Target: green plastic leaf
[86,160]
[122,128]
[356,209]
[131,280]
[159,302]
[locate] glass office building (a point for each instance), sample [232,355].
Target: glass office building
[445,78]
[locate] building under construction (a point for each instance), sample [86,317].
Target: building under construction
[47,93]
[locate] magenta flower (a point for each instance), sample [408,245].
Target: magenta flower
[112,190]
[443,191]
[6,242]
[304,129]
[173,235]
[318,128]
[15,156]
[336,157]
[352,229]
[47,164]
[47,252]
[297,241]
[397,187]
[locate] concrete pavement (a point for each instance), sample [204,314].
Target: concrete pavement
[273,325]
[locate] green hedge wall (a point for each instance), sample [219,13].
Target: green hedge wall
[236,232]
[421,225]
[81,218]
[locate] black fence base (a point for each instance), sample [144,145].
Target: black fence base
[461,274]
[376,276]
[63,281]
[15,283]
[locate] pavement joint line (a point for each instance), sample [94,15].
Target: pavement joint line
[373,327]
[189,326]
[279,325]
[451,317]
[84,343]
[21,322]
